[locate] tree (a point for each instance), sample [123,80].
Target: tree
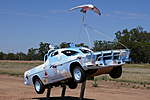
[82,45]
[21,56]
[32,54]
[1,56]
[11,56]
[64,45]
[103,45]
[138,41]
[43,49]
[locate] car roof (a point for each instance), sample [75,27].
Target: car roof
[72,48]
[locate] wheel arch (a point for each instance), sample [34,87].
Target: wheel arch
[42,88]
[77,65]
[73,65]
[35,77]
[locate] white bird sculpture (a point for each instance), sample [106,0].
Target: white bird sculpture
[86,7]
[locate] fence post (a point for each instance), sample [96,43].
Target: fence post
[63,91]
[82,90]
[48,92]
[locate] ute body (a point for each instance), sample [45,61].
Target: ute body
[71,66]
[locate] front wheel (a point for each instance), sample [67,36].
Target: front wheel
[78,74]
[39,86]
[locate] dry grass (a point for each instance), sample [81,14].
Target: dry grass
[132,73]
[147,66]
[17,67]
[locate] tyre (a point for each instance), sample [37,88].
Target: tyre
[116,72]
[72,84]
[38,86]
[78,74]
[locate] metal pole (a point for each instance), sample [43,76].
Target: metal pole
[48,92]
[82,90]
[63,91]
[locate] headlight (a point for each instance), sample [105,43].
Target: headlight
[26,78]
[26,75]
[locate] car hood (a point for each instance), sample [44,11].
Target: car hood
[35,70]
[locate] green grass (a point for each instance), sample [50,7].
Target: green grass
[95,82]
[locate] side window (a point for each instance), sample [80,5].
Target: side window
[69,52]
[54,54]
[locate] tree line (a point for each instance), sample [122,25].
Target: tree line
[136,39]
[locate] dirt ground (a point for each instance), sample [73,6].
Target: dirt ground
[12,88]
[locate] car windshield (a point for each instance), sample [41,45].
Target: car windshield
[50,52]
[54,53]
[69,52]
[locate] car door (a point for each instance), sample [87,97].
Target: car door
[54,62]
[63,68]
[60,66]
[66,57]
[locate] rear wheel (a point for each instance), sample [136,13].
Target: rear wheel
[116,72]
[73,85]
[39,86]
[78,74]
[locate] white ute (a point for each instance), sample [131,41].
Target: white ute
[71,66]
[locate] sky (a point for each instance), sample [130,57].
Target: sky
[26,23]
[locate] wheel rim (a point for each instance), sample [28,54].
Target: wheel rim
[77,74]
[37,86]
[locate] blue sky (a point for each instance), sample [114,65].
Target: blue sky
[26,23]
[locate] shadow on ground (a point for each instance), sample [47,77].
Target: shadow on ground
[61,98]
